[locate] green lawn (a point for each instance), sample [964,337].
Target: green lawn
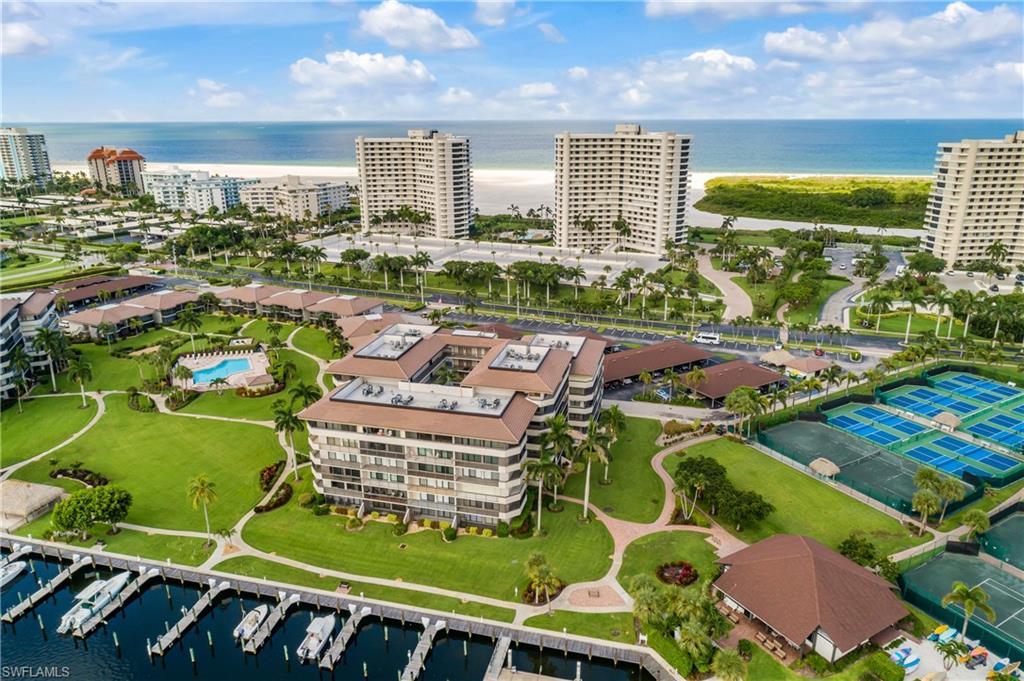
[644,555]
[896,322]
[181,550]
[611,626]
[802,504]
[258,330]
[231,405]
[154,455]
[808,313]
[993,497]
[315,342]
[114,373]
[487,566]
[764,667]
[251,566]
[636,492]
[220,324]
[44,423]
[874,201]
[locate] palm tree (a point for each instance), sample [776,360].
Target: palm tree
[53,343]
[593,447]
[914,299]
[287,422]
[969,599]
[977,523]
[188,320]
[727,665]
[80,371]
[949,490]
[202,491]
[183,374]
[219,383]
[951,652]
[540,470]
[646,379]
[879,302]
[694,378]
[305,393]
[20,388]
[925,502]
[673,380]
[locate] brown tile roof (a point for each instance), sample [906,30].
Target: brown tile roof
[667,353]
[508,427]
[722,379]
[797,585]
[363,325]
[108,314]
[36,303]
[808,365]
[545,379]
[69,284]
[295,299]
[164,300]
[7,304]
[249,294]
[341,306]
[589,359]
[111,285]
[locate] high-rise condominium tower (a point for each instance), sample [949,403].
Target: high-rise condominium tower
[421,184]
[624,190]
[977,199]
[24,158]
[117,169]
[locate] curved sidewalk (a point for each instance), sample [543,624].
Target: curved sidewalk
[737,302]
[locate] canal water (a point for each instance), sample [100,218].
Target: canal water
[378,651]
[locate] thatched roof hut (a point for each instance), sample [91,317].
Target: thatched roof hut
[823,466]
[948,419]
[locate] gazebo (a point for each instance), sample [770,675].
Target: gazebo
[824,467]
[947,419]
[23,502]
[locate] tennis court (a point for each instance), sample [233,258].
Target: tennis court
[924,586]
[975,387]
[1002,429]
[1005,540]
[928,402]
[873,424]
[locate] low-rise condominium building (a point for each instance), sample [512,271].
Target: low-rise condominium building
[194,190]
[295,199]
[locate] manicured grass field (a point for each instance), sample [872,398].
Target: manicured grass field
[808,313]
[114,373]
[251,566]
[258,330]
[644,555]
[231,405]
[154,455]
[315,342]
[636,492]
[802,504]
[487,566]
[182,550]
[764,667]
[611,626]
[896,322]
[44,423]
[219,323]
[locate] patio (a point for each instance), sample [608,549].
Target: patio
[758,632]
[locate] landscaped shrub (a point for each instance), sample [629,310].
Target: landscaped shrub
[392,518]
[449,534]
[503,529]
[677,572]
[261,391]
[375,515]
[177,398]
[352,511]
[426,522]
[472,530]
[399,528]
[444,525]
[140,402]
[74,471]
[280,498]
[817,664]
[354,523]
[883,668]
[745,648]
[306,500]
[673,427]
[339,510]
[488,532]
[321,509]
[269,474]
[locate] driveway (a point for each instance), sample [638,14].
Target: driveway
[737,302]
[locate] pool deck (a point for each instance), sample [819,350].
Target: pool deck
[257,374]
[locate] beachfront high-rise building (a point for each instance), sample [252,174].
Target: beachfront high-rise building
[421,183]
[295,199]
[623,189]
[24,157]
[977,198]
[118,170]
[438,423]
[194,190]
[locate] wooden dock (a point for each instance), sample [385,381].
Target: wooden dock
[498,659]
[273,619]
[146,574]
[190,617]
[45,591]
[419,656]
[17,551]
[338,645]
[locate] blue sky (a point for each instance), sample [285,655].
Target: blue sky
[155,61]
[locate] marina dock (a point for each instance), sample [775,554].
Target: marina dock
[190,617]
[273,619]
[419,655]
[45,591]
[338,645]
[146,574]
[497,662]
[17,551]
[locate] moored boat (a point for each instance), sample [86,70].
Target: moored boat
[317,633]
[10,571]
[91,600]
[251,622]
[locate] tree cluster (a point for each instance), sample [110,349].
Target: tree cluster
[77,513]
[703,478]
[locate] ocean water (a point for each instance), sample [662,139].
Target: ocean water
[822,146]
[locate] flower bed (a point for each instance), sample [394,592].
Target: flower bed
[280,498]
[531,598]
[83,475]
[269,474]
[679,573]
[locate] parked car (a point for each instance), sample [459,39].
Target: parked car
[1001,277]
[971,275]
[842,266]
[708,338]
[818,352]
[994,288]
[663,393]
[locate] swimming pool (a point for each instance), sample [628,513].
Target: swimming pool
[222,369]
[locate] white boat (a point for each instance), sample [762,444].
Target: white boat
[317,633]
[91,600]
[10,571]
[251,622]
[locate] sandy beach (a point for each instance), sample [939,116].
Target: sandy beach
[494,189]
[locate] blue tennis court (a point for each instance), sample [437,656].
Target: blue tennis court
[1019,409]
[915,406]
[890,420]
[944,463]
[948,403]
[972,391]
[986,384]
[1008,422]
[864,430]
[986,430]
[975,453]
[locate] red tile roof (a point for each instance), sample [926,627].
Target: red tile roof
[668,353]
[722,379]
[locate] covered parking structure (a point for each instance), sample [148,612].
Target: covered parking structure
[668,354]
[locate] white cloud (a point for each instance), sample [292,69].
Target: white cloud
[456,95]
[551,33]
[944,35]
[408,27]
[737,9]
[217,95]
[105,62]
[578,73]
[721,62]
[347,69]
[543,90]
[783,65]
[20,38]
[493,12]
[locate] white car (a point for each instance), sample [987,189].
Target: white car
[706,338]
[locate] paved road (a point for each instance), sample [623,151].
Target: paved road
[737,302]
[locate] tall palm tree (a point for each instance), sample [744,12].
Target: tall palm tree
[926,502]
[80,371]
[727,665]
[53,343]
[914,299]
[646,378]
[202,492]
[188,320]
[540,470]
[977,523]
[694,378]
[304,393]
[879,302]
[287,422]
[970,599]
[593,447]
